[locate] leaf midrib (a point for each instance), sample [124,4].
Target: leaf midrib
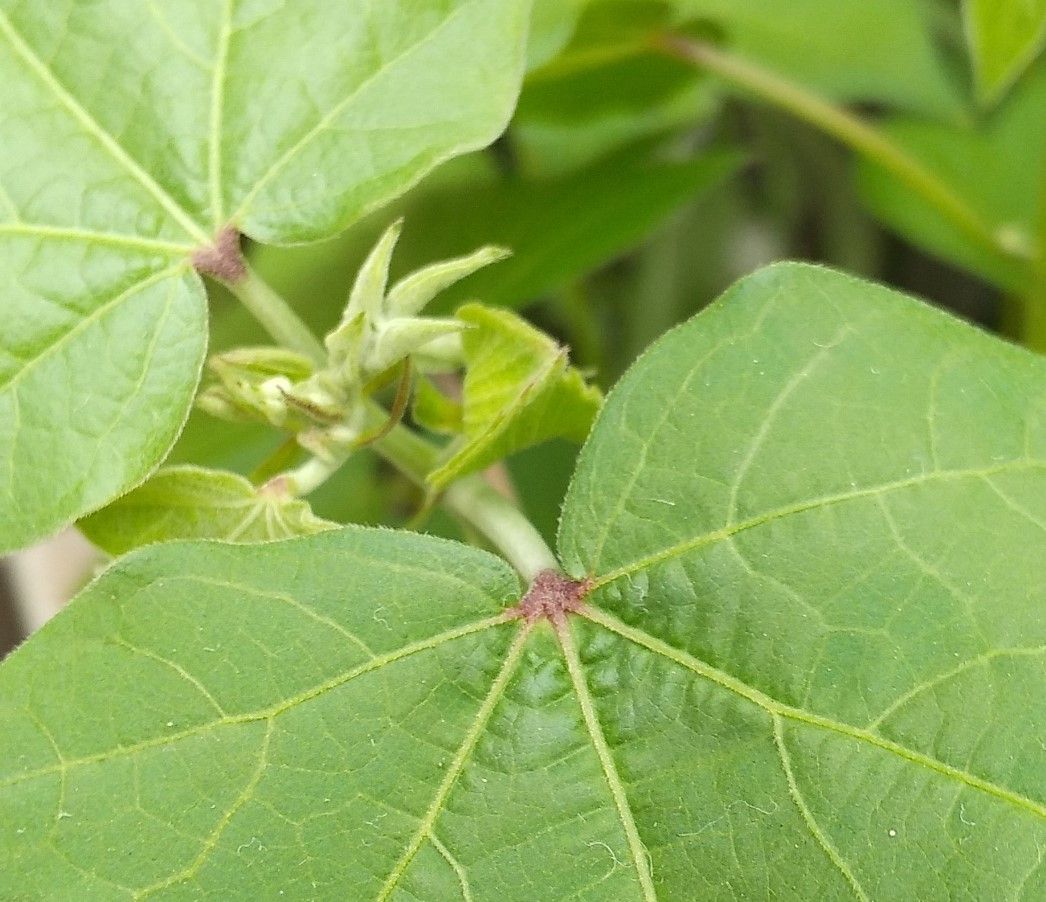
[334,112]
[725,532]
[271,711]
[113,147]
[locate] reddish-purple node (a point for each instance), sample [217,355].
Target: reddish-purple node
[553,595]
[223,259]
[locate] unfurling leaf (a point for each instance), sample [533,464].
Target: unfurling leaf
[519,391]
[435,411]
[187,502]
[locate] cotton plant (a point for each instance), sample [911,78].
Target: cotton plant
[380,333]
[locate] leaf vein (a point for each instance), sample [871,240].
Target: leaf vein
[214,148]
[95,315]
[457,765]
[111,145]
[779,709]
[272,711]
[212,840]
[90,236]
[725,532]
[636,846]
[331,115]
[808,817]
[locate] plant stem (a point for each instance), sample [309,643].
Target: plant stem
[471,498]
[497,518]
[841,124]
[276,316]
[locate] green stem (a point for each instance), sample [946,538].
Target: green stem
[276,316]
[844,126]
[497,518]
[472,498]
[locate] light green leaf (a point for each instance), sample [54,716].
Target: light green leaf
[997,167]
[519,391]
[551,26]
[1004,36]
[188,502]
[809,665]
[434,410]
[133,134]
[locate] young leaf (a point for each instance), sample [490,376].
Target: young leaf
[970,161]
[1004,36]
[136,136]
[519,391]
[434,410]
[195,503]
[812,519]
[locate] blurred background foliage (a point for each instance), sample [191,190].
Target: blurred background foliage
[660,150]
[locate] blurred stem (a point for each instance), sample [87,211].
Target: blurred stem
[276,316]
[841,124]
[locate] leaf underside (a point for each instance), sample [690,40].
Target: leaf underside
[119,160]
[809,666]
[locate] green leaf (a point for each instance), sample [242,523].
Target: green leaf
[1004,36]
[195,503]
[434,410]
[969,161]
[558,229]
[519,391]
[808,666]
[815,517]
[133,134]
[551,26]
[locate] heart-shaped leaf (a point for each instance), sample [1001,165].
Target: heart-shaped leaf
[801,659]
[132,134]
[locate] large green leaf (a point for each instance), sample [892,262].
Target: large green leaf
[1005,36]
[808,666]
[133,133]
[815,515]
[997,166]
